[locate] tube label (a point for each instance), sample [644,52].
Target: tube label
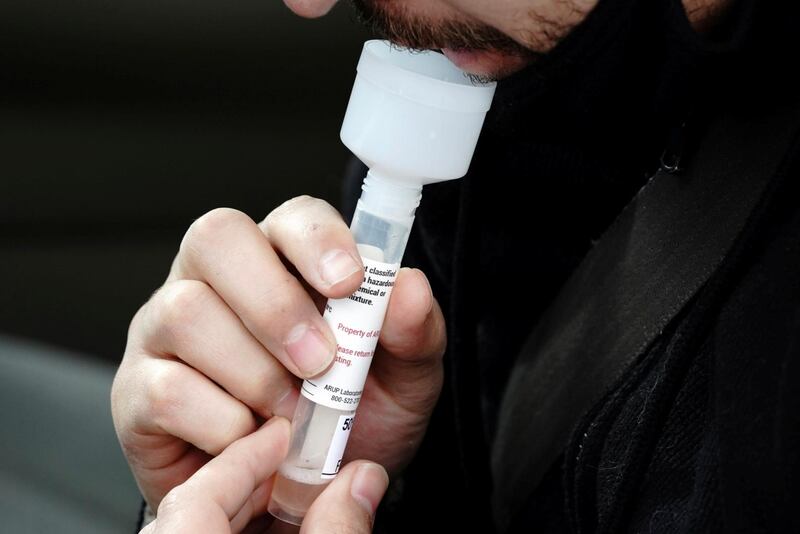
[333,460]
[356,322]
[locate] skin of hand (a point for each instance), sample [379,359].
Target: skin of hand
[230,493]
[220,347]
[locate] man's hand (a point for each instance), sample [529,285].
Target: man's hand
[218,348]
[231,491]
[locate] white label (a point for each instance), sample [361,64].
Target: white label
[336,451]
[356,323]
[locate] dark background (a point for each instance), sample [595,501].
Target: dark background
[121,122]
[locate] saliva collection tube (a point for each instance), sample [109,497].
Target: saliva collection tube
[413,119]
[326,409]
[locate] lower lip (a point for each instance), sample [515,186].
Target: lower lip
[463,58]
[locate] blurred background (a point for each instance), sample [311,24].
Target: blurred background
[120,123]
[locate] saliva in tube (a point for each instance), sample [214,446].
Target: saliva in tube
[300,479]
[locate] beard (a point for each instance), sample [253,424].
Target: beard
[392,21]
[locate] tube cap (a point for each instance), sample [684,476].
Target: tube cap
[414,116]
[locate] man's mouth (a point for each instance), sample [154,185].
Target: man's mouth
[475,47]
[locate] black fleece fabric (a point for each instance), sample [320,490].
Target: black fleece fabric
[700,434]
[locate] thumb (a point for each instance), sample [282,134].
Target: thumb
[408,361]
[348,504]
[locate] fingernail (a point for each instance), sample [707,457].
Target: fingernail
[337,265]
[287,403]
[368,486]
[308,349]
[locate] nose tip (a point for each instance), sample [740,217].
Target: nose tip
[310,8]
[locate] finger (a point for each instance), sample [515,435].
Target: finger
[348,504]
[408,362]
[311,234]
[227,250]
[180,401]
[212,497]
[186,318]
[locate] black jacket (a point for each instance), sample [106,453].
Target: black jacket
[698,432]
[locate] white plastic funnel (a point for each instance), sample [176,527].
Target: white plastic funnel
[413,116]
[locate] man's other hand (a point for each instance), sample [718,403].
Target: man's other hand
[230,493]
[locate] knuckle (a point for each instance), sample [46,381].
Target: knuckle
[139,332]
[297,215]
[171,501]
[248,391]
[261,388]
[136,324]
[163,395]
[209,228]
[281,301]
[299,203]
[275,309]
[179,304]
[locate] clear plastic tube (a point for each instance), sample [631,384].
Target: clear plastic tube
[321,424]
[413,118]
